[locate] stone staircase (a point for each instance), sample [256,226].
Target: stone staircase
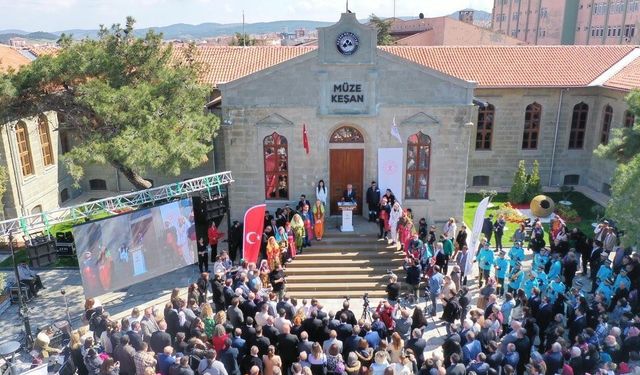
[344,264]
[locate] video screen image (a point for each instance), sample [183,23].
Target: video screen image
[123,250]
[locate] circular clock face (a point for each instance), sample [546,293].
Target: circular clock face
[347,43]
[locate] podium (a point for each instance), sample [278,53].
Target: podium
[347,209]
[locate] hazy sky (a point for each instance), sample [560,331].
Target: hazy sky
[55,15]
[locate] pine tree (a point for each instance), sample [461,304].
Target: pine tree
[519,188]
[534,185]
[128,101]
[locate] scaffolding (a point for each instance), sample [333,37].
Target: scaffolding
[213,185]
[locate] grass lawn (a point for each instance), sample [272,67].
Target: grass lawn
[581,203]
[21,255]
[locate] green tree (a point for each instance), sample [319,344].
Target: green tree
[534,185]
[242,40]
[519,188]
[129,102]
[383,27]
[3,184]
[624,148]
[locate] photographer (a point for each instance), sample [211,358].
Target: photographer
[414,272]
[452,309]
[393,288]
[277,278]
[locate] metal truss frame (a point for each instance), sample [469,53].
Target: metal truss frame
[213,184]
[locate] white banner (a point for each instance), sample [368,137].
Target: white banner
[473,241]
[390,171]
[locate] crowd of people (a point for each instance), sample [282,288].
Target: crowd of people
[533,310]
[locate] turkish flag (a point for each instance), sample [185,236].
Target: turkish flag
[305,140]
[253,227]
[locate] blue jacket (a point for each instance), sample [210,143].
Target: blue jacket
[435,283]
[485,258]
[470,351]
[502,266]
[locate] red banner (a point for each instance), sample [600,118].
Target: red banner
[253,227]
[305,139]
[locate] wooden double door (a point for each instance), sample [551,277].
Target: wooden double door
[346,167]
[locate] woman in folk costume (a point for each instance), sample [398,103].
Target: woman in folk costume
[318,217]
[264,273]
[283,242]
[298,230]
[383,221]
[273,253]
[394,218]
[307,218]
[291,238]
[405,226]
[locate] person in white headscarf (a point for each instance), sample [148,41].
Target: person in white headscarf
[394,217]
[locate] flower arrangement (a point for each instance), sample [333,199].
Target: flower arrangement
[568,214]
[511,214]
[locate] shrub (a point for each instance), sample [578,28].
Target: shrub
[519,188]
[534,185]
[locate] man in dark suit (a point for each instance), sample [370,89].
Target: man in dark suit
[578,324]
[229,358]
[312,325]
[417,344]
[287,346]
[302,202]
[160,339]
[544,317]
[373,201]
[239,343]
[594,263]
[349,195]
[262,342]
[135,336]
[304,345]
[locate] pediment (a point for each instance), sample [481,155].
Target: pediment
[274,120]
[420,118]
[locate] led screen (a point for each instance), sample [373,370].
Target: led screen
[123,250]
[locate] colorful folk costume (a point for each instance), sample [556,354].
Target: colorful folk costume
[404,230]
[394,218]
[291,237]
[307,218]
[264,273]
[283,242]
[105,265]
[318,217]
[273,253]
[298,230]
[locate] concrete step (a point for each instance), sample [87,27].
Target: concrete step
[347,269]
[338,276]
[364,246]
[354,294]
[349,255]
[336,285]
[336,262]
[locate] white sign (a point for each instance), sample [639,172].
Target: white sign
[347,220]
[473,241]
[139,266]
[390,167]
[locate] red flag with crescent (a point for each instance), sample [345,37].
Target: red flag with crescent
[253,227]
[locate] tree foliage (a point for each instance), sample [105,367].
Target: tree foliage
[383,27]
[519,187]
[127,101]
[534,185]
[3,183]
[242,40]
[624,148]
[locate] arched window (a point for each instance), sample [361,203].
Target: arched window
[607,117]
[346,134]
[531,126]
[484,130]
[45,140]
[36,210]
[97,184]
[24,149]
[578,126]
[417,174]
[63,133]
[629,119]
[276,166]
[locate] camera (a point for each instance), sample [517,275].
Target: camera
[365,299]
[63,292]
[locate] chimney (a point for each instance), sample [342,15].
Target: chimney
[466,16]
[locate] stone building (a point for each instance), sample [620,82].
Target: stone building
[465,116]
[591,22]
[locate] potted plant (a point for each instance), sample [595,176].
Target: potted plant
[5,301]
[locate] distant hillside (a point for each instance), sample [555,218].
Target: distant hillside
[38,35]
[204,30]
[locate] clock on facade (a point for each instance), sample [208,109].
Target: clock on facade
[347,43]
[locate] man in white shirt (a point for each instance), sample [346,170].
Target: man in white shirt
[214,367]
[333,339]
